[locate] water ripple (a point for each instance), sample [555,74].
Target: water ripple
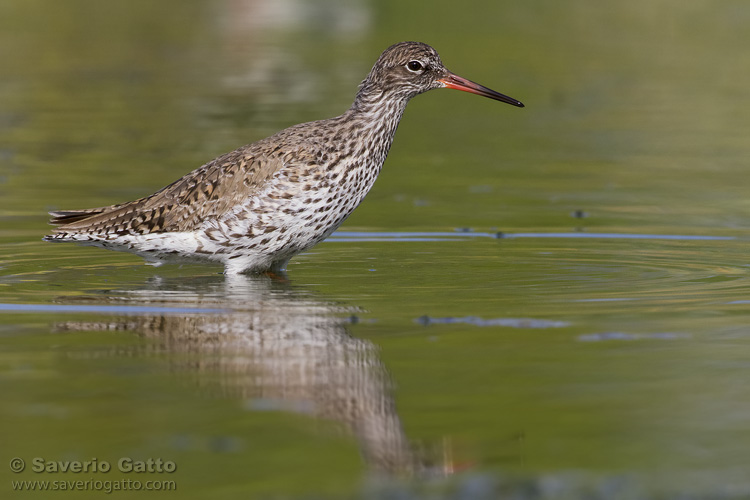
[477,321]
[349,236]
[106,309]
[599,337]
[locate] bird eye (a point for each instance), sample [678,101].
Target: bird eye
[414,66]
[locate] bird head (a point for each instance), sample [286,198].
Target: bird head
[407,69]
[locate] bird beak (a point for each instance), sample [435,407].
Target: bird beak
[452,81]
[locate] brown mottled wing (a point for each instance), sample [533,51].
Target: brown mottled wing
[206,192]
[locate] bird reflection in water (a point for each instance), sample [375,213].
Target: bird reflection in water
[279,348]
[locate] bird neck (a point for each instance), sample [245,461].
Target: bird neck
[373,97]
[379,112]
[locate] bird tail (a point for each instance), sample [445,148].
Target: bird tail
[63,218]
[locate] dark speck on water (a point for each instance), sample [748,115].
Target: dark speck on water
[579,214]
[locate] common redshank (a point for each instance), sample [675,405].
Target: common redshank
[254,208]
